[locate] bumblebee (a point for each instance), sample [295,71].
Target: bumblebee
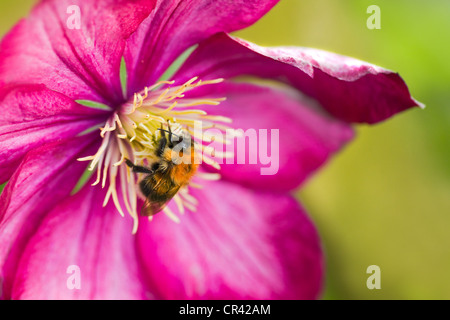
[173,169]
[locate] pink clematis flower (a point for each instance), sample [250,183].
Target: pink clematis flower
[94,93]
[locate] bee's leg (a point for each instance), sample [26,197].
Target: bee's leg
[138,169]
[145,188]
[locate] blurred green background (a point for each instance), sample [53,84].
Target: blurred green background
[385,199]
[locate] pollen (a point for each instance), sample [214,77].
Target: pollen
[132,132]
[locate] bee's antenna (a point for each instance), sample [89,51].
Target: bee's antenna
[170,132]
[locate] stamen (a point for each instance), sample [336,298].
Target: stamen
[188,198]
[190,207]
[179,203]
[195,185]
[171,215]
[132,132]
[209,176]
[213,163]
[122,160]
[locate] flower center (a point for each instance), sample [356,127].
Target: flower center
[152,142]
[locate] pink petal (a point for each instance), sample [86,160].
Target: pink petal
[32,115]
[239,244]
[83,63]
[174,26]
[45,177]
[349,89]
[18,139]
[81,238]
[23,103]
[288,138]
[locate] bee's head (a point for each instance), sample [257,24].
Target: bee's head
[178,146]
[180,143]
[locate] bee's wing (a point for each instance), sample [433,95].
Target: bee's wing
[151,208]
